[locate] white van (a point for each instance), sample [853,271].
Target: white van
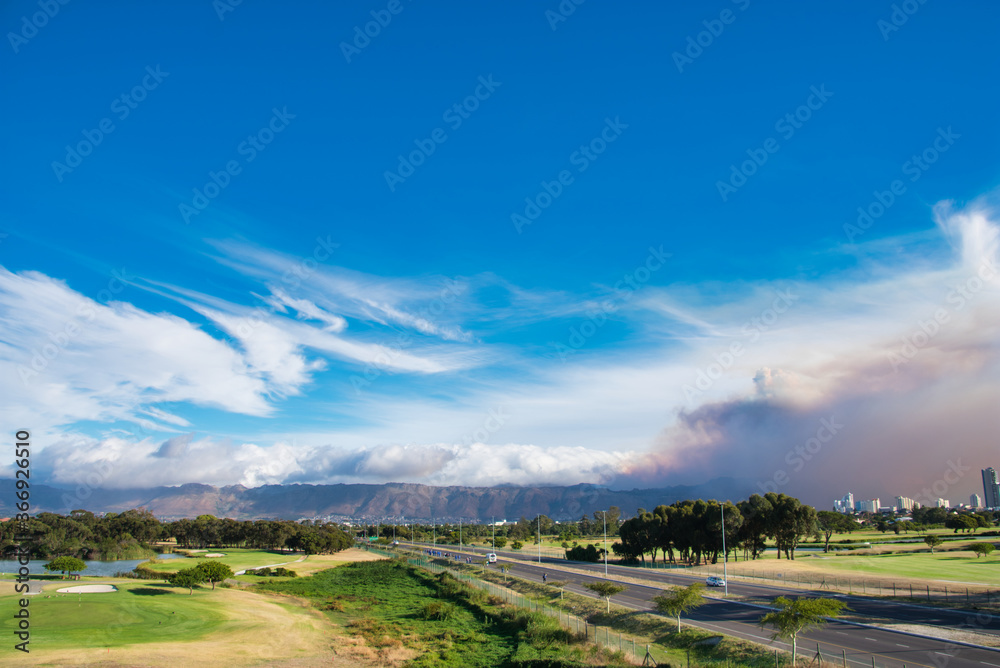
[492,558]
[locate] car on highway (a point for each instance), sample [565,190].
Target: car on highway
[713,581]
[492,558]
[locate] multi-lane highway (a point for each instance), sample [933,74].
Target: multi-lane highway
[837,640]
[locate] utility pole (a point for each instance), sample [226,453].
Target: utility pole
[539,538]
[725,555]
[604,514]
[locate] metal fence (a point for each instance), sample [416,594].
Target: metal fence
[600,635]
[956,595]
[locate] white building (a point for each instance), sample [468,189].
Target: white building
[905,503]
[976,501]
[870,506]
[943,503]
[844,505]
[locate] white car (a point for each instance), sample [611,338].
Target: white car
[492,558]
[713,581]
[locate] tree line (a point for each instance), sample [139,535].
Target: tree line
[132,533]
[692,532]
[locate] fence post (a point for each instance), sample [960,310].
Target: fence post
[845,658]
[928,592]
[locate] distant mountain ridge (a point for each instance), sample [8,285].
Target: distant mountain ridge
[373,501]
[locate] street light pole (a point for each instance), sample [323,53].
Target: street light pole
[460,533]
[604,514]
[725,554]
[539,538]
[493,521]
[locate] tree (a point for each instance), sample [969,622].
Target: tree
[932,542]
[214,571]
[831,523]
[961,523]
[500,542]
[189,577]
[516,545]
[678,600]
[982,549]
[589,553]
[794,616]
[66,565]
[605,589]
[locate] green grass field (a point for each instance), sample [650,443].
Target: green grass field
[441,623]
[238,559]
[960,567]
[146,623]
[137,613]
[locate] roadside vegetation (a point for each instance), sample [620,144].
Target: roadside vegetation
[405,614]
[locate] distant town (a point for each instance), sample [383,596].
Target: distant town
[990,500]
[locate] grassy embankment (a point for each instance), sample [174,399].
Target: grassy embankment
[667,646]
[406,615]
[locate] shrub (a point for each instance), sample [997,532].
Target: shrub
[438,610]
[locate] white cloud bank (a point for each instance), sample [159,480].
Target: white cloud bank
[900,352]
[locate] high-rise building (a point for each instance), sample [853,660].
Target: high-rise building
[943,503]
[904,503]
[870,506]
[846,504]
[991,488]
[976,501]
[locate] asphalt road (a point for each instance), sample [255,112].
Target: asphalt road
[837,641]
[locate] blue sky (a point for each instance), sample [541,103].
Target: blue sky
[259,290]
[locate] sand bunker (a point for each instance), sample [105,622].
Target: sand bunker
[87,589]
[214,554]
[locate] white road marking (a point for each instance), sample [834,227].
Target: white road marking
[906,646]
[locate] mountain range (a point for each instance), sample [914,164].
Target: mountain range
[397,501]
